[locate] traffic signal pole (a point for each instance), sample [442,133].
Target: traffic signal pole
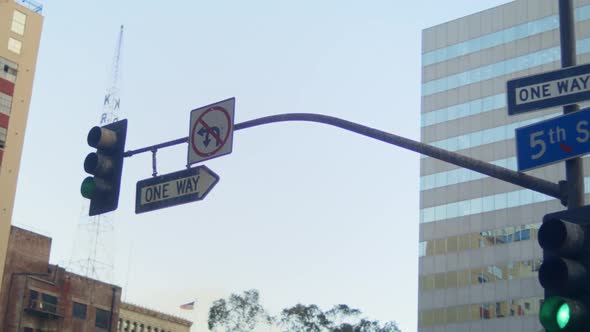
[521,179]
[574,170]
[569,192]
[563,235]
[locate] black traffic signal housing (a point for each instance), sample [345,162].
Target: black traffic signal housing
[564,274]
[106,164]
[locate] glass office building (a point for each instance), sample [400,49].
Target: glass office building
[479,254]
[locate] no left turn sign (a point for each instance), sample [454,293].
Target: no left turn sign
[211,131]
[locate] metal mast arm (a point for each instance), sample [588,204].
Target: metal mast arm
[501,173]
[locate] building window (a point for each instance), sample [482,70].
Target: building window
[33,294]
[48,303]
[18,22]
[79,310]
[478,240]
[102,319]
[483,311]
[8,70]
[14,45]
[5,103]
[480,275]
[2,137]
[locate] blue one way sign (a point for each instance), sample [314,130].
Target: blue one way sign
[553,140]
[555,88]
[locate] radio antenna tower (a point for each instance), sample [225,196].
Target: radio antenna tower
[93,251]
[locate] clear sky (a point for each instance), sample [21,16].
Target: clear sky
[305,213]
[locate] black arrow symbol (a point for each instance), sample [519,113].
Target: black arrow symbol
[206,132]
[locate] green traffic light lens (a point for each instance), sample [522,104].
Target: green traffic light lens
[556,314]
[563,315]
[88,187]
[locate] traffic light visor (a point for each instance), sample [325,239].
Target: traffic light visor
[103,138]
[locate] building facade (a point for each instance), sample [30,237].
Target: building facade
[479,254]
[20,32]
[135,318]
[37,296]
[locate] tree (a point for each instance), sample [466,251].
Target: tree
[302,318]
[366,325]
[243,313]
[342,315]
[341,318]
[239,313]
[390,327]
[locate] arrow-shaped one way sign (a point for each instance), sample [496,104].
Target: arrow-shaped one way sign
[176,188]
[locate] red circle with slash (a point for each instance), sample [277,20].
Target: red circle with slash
[214,113]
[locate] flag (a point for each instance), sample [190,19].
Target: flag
[188,306]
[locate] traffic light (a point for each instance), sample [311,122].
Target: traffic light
[565,238]
[106,164]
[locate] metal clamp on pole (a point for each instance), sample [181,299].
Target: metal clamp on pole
[154,166]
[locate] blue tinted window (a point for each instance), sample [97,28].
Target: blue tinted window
[482,204]
[498,38]
[463,208]
[452,210]
[500,201]
[460,175]
[486,136]
[492,71]
[582,13]
[488,204]
[476,206]
[458,111]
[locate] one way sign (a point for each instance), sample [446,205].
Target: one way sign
[180,187]
[551,89]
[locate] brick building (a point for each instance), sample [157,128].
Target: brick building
[37,296]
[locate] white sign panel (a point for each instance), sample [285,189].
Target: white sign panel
[211,131]
[552,89]
[560,87]
[189,185]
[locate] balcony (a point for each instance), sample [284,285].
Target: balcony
[44,309]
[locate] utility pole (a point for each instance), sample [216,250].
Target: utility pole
[574,169]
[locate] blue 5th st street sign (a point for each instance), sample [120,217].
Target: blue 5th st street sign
[553,140]
[555,88]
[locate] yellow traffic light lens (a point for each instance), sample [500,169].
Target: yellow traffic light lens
[88,187]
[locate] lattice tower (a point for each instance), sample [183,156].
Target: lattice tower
[93,251]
